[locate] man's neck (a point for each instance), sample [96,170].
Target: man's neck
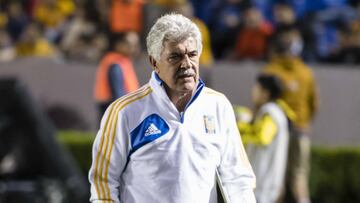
[180,100]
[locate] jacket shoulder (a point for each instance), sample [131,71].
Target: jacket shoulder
[209,91]
[126,100]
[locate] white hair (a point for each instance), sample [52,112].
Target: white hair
[174,28]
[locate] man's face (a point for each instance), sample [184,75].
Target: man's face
[130,46]
[178,66]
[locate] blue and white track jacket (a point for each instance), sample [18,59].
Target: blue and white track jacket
[147,152]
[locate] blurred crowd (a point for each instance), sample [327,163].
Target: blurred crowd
[232,29]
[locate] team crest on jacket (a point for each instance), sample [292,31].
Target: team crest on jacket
[209,123]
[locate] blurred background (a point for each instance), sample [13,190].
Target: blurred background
[50,50]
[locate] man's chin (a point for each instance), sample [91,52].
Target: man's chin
[186,84]
[187,87]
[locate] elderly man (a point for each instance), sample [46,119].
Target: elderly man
[171,139]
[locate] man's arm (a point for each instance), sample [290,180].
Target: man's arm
[261,132]
[109,157]
[235,170]
[116,80]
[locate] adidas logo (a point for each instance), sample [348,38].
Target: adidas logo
[152,130]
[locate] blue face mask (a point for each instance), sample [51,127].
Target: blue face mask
[296,47]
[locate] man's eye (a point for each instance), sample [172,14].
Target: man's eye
[174,58]
[192,54]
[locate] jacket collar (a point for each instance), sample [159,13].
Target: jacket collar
[158,86]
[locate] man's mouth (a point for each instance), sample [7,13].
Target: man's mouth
[185,74]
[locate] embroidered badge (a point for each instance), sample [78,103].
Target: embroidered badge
[209,123]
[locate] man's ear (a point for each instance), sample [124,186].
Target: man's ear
[153,64]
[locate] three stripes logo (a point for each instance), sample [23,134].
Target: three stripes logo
[152,130]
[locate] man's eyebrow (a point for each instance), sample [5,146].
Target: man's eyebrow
[193,51]
[180,52]
[175,53]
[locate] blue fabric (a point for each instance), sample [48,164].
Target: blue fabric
[265,7]
[202,8]
[200,86]
[327,40]
[116,80]
[323,4]
[151,128]
[158,79]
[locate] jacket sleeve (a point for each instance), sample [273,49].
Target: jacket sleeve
[109,156]
[235,170]
[261,132]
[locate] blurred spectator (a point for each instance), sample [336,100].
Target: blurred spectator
[32,43]
[306,7]
[76,27]
[328,27]
[349,39]
[82,40]
[7,50]
[224,24]
[266,138]
[201,8]
[126,16]
[30,6]
[327,40]
[350,44]
[53,14]
[17,20]
[169,4]
[115,75]
[329,21]
[301,95]
[252,38]
[283,15]
[265,7]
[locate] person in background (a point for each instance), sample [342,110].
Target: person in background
[251,42]
[300,93]
[7,50]
[53,15]
[122,15]
[17,20]
[224,23]
[350,38]
[169,140]
[32,43]
[266,138]
[115,75]
[285,16]
[83,41]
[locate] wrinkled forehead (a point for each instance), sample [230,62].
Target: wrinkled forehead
[184,45]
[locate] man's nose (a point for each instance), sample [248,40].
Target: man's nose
[185,63]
